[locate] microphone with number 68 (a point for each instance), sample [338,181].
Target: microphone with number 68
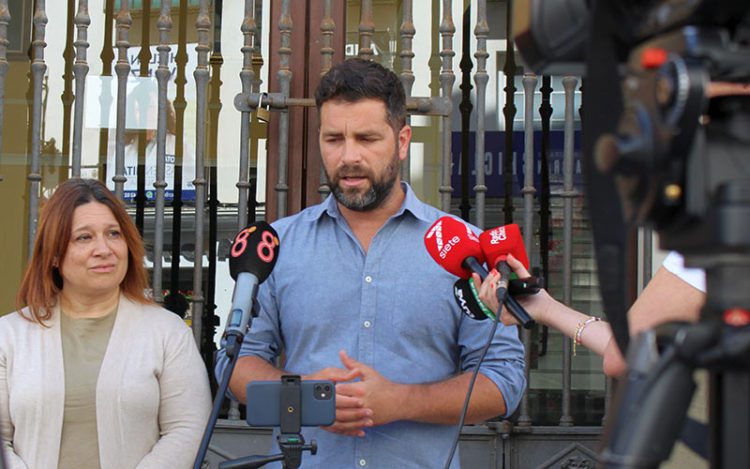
[252,258]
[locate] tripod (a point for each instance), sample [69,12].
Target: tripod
[652,405]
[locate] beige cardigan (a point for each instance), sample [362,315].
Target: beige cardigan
[152,394]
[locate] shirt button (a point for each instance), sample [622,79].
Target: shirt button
[366,324]
[368,279]
[362,462]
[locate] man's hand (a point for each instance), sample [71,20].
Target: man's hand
[351,414]
[377,393]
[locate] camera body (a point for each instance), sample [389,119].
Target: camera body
[666,148]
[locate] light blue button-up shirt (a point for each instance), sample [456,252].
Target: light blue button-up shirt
[391,308]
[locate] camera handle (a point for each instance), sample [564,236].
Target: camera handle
[290,440]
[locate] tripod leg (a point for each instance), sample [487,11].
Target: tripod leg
[730,418]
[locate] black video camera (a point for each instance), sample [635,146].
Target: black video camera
[664,146]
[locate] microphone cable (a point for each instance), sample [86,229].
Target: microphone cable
[474,374]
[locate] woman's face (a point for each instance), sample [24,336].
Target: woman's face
[97,257]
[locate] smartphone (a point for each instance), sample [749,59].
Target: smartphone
[318,401]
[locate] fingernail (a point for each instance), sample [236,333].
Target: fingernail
[493,271]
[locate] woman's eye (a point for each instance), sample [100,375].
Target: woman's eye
[114,234]
[84,237]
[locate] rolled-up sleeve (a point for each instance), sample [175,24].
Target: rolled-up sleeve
[504,363]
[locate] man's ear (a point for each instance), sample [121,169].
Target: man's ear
[404,138]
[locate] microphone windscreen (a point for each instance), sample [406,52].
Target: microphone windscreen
[449,241]
[498,242]
[254,250]
[467,301]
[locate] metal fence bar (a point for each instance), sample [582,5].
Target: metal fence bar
[4,22]
[447,78]
[568,194]
[647,235]
[107,55]
[434,106]
[38,69]
[247,77]
[407,32]
[80,70]
[122,69]
[509,114]
[366,30]
[201,75]
[528,191]
[144,59]
[481,31]
[327,29]
[68,96]
[465,107]
[179,109]
[285,78]
[164,25]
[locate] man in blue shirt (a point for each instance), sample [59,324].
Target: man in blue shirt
[356,298]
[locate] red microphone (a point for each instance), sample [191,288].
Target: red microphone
[458,250]
[496,244]
[455,247]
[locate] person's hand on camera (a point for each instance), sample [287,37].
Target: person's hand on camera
[351,414]
[536,305]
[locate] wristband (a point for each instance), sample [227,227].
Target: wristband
[579,331]
[487,312]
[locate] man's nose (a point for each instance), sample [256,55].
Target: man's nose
[351,152]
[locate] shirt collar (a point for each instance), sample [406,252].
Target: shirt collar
[411,204]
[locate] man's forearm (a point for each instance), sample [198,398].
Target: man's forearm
[251,369]
[442,402]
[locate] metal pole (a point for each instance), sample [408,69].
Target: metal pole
[447,29]
[38,69]
[164,25]
[568,194]
[203,26]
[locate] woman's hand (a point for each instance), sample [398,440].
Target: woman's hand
[536,305]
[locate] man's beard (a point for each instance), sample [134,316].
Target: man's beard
[373,197]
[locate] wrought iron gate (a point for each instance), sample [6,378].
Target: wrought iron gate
[200,138]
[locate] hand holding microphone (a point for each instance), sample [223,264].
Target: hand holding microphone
[454,246]
[535,299]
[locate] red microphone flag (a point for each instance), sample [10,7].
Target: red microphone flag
[450,241]
[498,242]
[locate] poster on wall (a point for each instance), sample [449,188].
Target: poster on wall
[494,147]
[141,110]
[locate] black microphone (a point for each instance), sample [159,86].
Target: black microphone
[251,259]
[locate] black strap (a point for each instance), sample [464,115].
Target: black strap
[602,106]
[695,436]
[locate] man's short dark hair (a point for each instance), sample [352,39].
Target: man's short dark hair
[356,79]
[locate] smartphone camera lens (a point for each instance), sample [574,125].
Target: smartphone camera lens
[323,391]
